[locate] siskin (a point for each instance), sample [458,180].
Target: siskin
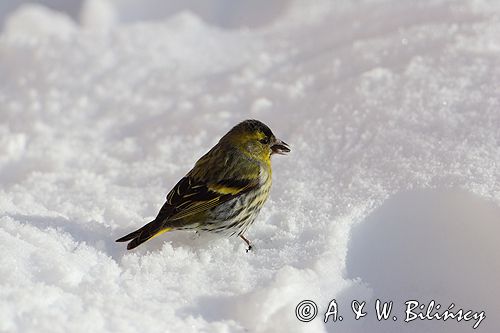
[224,191]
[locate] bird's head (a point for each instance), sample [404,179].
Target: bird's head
[256,140]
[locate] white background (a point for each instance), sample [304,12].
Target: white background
[391,190]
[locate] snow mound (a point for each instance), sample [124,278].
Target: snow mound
[390,107]
[430,245]
[38,21]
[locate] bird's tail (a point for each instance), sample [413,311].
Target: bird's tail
[150,230]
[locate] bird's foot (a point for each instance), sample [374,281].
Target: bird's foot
[248,243]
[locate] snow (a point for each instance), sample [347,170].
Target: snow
[38,21]
[391,190]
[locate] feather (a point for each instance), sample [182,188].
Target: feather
[189,197]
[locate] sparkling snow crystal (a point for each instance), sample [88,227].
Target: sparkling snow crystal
[391,191]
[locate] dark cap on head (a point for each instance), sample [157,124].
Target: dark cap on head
[252,125]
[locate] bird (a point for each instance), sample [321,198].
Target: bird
[224,191]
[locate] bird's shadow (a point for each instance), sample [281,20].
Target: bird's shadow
[102,237]
[196,241]
[94,234]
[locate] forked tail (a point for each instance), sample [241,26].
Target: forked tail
[150,230]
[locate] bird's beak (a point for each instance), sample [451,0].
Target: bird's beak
[280,147]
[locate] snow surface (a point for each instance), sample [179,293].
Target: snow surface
[392,189]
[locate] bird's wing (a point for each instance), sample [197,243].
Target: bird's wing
[191,197]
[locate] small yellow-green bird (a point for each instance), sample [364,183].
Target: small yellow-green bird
[224,191]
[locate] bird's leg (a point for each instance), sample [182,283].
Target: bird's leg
[247,241]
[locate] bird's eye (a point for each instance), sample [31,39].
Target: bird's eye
[264,141]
